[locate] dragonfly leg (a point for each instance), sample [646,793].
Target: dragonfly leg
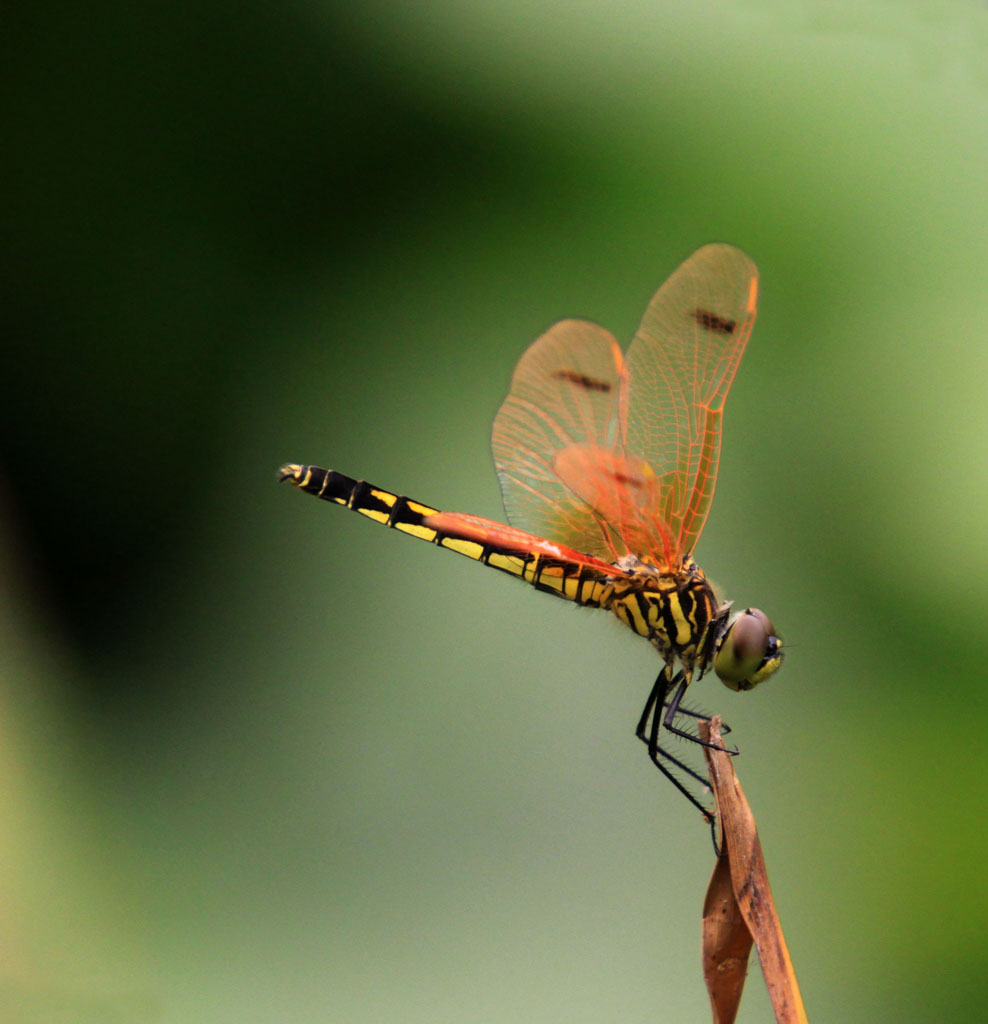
[672,709]
[660,757]
[700,716]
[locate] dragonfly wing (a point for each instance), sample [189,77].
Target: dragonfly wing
[623,490]
[680,368]
[564,396]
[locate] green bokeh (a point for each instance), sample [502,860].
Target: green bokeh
[262,761]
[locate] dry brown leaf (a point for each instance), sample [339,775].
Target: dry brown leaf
[726,945]
[750,898]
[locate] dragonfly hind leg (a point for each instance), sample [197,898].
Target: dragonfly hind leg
[657,759]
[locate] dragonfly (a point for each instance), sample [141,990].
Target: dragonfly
[607,463]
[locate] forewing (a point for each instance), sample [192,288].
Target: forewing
[680,368]
[564,395]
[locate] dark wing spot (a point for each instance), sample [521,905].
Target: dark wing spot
[713,322]
[631,481]
[588,383]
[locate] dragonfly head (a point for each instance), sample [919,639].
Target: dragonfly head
[748,651]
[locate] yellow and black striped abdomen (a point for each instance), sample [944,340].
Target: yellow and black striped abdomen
[382,506]
[558,576]
[675,611]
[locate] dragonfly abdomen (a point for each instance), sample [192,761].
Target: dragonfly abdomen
[383,507]
[558,576]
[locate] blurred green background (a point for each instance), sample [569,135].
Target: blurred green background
[260,760]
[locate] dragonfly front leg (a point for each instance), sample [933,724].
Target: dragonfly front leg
[672,709]
[701,717]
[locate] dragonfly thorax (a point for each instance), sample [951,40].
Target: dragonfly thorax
[679,614]
[675,611]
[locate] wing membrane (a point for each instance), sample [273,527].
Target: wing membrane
[680,368]
[564,395]
[611,456]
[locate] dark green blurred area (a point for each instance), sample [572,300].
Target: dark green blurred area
[262,761]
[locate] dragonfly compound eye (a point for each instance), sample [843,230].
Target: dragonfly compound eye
[749,651]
